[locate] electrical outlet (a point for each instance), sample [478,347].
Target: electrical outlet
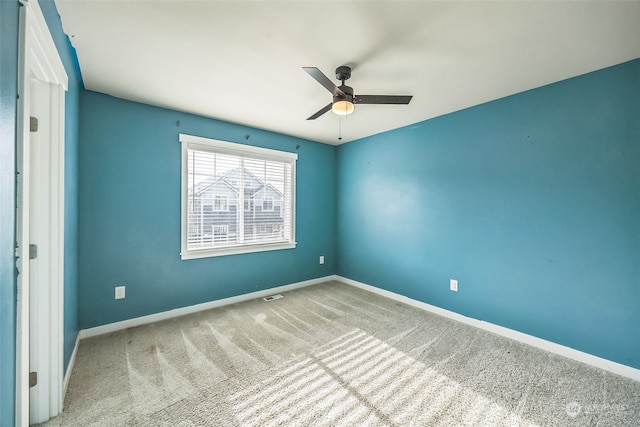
[321,259]
[119,292]
[453,285]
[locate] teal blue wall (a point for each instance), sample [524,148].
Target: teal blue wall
[72,113]
[532,202]
[8,90]
[129,214]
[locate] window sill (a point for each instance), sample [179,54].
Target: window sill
[234,250]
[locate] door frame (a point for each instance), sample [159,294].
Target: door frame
[39,59]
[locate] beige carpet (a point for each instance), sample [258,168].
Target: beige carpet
[333,355]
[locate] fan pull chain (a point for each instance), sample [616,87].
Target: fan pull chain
[339,128]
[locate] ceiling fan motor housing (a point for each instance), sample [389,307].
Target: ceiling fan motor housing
[346,95]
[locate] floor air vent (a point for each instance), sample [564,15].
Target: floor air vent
[272,297]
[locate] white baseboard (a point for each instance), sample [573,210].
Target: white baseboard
[156,317]
[67,373]
[570,353]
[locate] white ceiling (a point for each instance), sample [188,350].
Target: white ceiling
[241,61]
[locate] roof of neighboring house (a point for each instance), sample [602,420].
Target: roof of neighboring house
[225,179]
[268,187]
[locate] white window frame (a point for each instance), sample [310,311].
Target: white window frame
[223,147]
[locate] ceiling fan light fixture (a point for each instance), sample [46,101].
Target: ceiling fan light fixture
[343,108]
[344,101]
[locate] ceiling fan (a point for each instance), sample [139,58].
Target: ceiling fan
[343,98]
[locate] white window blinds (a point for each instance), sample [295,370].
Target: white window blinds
[235,198]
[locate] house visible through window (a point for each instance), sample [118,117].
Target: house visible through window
[235,198]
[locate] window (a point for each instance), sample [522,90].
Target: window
[220,203]
[220,181]
[267,204]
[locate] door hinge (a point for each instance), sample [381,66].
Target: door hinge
[33,251]
[33,379]
[33,124]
